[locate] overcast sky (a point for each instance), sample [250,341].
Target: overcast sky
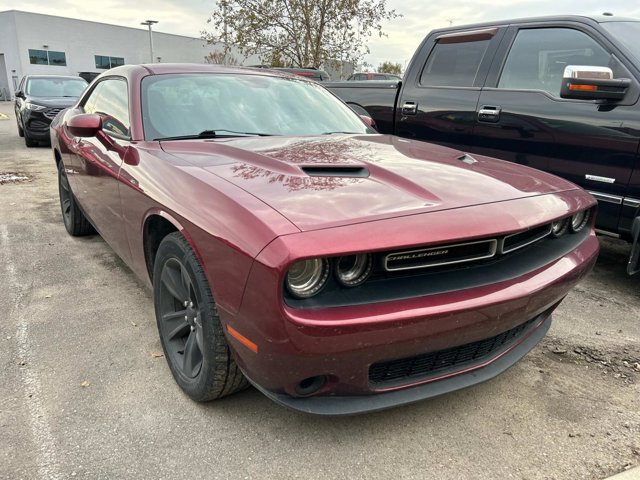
[188,17]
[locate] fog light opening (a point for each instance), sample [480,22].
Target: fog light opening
[310,385]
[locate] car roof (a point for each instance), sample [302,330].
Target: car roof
[143,70]
[557,18]
[66,77]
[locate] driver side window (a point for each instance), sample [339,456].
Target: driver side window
[110,100]
[539,56]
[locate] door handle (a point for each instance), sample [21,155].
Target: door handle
[489,114]
[409,108]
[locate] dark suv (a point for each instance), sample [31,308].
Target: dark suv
[39,98]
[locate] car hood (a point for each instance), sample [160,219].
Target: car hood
[320,182]
[53,102]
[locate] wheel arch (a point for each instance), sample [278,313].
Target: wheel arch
[157,225]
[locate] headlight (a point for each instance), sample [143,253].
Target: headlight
[353,270]
[307,277]
[559,227]
[579,220]
[34,107]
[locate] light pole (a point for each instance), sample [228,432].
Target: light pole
[149,23]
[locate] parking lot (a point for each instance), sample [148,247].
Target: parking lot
[86,393]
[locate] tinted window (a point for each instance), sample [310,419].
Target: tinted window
[538,58]
[106,62]
[57,58]
[176,105]
[54,87]
[626,33]
[110,100]
[38,57]
[454,64]
[47,57]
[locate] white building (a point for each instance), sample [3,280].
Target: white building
[32,43]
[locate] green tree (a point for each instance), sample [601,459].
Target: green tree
[390,67]
[299,33]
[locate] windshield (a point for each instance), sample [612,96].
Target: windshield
[55,87]
[216,104]
[627,33]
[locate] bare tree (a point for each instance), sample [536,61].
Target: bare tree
[299,33]
[221,58]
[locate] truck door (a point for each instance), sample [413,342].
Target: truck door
[440,94]
[591,144]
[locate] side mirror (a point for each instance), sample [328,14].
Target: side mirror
[592,83]
[369,121]
[85,125]
[19,94]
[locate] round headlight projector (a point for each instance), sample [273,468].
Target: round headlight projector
[353,270]
[559,227]
[307,277]
[579,220]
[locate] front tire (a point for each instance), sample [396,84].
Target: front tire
[28,141]
[74,220]
[20,129]
[190,330]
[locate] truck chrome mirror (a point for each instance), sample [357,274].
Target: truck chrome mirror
[586,82]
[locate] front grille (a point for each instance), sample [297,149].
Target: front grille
[522,239]
[428,364]
[52,112]
[444,255]
[38,125]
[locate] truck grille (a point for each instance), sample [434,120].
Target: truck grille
[412,368]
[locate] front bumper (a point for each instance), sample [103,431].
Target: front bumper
[341,343]
[37,125]
[440,385]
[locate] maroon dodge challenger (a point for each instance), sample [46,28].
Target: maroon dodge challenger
[291,247]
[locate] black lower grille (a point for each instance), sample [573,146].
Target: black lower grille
[427,364]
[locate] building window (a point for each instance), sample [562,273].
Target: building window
[105,62]
[46,57]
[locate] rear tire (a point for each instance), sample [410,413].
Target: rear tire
[74,220]
[191,334]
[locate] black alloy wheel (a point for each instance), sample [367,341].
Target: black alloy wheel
[74,220]
[190,330]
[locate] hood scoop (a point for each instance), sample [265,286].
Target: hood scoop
[335,171]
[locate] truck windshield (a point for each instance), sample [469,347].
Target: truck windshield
[627,33]
[196,105]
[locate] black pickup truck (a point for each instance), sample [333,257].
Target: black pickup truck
[555,93]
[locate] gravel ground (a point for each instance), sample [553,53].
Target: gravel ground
[83,395]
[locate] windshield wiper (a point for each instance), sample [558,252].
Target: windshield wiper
[216,134]
[333,133]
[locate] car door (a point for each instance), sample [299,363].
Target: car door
[96,168]
[439,98]
[589,143]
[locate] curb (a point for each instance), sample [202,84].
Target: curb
[631,474]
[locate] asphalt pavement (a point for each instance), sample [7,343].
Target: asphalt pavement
[85,394]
